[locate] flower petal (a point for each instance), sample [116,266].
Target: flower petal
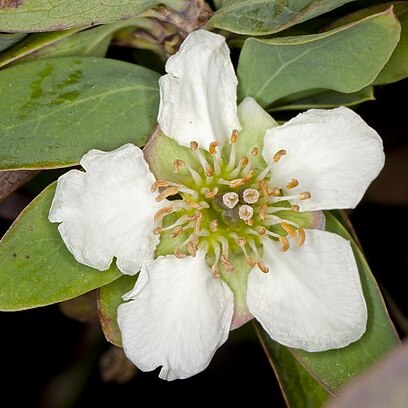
[333,154]
[311,298]
[179,317]
[108,210]
[198,95]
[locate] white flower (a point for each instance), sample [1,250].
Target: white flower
[240,239]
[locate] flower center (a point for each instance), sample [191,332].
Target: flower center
[228,205]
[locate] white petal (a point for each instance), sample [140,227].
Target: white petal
[179,317]
[108,210]
[311,298]
[333,154]
[198,95]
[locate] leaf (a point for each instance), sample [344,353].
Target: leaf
[322,99]
[297,385]
[32,43]
[58,109]
[7,40]
[397,67]
[109,299]
[346,59]
[334,368]
[262,17]
[36,269]
[53,15]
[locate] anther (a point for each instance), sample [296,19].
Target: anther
[177,165]
[301,236]
[158,230]
[214,225]
[245,212]
[243,161]
[277,156]
[215,272]
[262,267]
[230,199]
[212,194]
[250,195]
[162,213]
[198,221]
[191,247]
[228,265]
[264,188]
[193,204]
[295,208]
[276,191]
[254,151]
[179,254]
[213,146]
[193,145]
[293,183]
[261,230]
[289,229]
[234,136]
[166,193]
[236,183]
[304,195]
[262,211]
[177,231]
[250,261]
[284,244]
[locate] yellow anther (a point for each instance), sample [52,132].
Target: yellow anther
[228,265]
[240,241]
[301,236]
[177,165]
[236,183]
[179,254]
[243,161]
[213,147]
[191,247]
[250,222]
[295,208]
[198,221]
[262,211]
[214,225]
[158,230]
[193,145]
[234,136]
[162,213]
[277,156]
[284,244]
[212,194]
[261,231]
[262,267]
[166,193]
[177,231]
[248,176]
[254,151]
[289,229]
[215,272]
[304,195]
[193,204]
[276,191]
[264,188]
[294,183]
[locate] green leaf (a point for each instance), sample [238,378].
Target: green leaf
[397,67]
[58,109]
[36,269]
[346,59]
[334,368]
[34,43]
[297,385]
[109,299]
[7,40]
[261,17]
[53,15]
[319,98]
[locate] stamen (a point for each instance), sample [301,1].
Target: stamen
[212,194]
[179,253]
[305,195]
[295,208]
[166,193]
[263,173]
[262,211]
[198,221]
[193,145]
[214,225]
[254,151]
[262,267]
[230,199]
[250,195]
[213,147]
[289,229]
[243,161]
[158,230]
[162,213]
[234,136]
[245,212]
[278,155]
[178,164]
[228,265]
[301,236]
[231,162]
[261,231]
[191,247]
[215,272]
[176,232]
[264,188]
[284,244]
[239,182]
[276,191]
[293,183]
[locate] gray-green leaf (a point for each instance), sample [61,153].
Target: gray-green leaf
[346,59]
[58,109]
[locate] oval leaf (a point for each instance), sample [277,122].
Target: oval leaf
[58,109]
[346,59]
[336,367]
[109,298]
[36,269]
[52,15]
[255,17]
